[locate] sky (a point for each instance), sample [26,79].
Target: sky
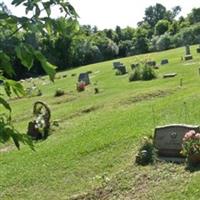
[110,13]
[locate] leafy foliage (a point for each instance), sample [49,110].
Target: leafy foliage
[146,153]
[135,75]
[25,52]
[59,92]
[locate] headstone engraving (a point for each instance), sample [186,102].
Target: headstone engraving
[168,139]
[84,77]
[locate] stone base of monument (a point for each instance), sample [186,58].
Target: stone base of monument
[170,75]
[188,57]
[198,50]
[168,141]
[171,159]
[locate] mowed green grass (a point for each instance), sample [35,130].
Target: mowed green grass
[98,135]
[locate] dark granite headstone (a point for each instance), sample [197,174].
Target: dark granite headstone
[122,70]
[84,77]
[198,49]
[117,64]
[168,139]
[188,56]
[151,63]
[164,62]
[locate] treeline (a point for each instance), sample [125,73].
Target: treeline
[77,45]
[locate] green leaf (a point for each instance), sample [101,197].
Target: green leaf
[25,54]
[3,16]
[37,11]
[46,6]
[5,104]
[16,87]
[5,64]
[17,2]
[48,67]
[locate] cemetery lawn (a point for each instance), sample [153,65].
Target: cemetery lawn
[91,154]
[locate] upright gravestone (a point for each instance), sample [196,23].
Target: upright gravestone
[198,49]
[164,62]
[168,139]
[117,64]
[84,77]
[121,70]
[151,63]
[188,56]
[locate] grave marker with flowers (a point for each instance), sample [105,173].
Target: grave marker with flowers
[168,140]
[191,147]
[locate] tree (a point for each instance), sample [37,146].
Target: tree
[161,27]
[140,42]
[154,13]
[194,16]
[26,53]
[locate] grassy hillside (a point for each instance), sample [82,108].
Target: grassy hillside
[91,154]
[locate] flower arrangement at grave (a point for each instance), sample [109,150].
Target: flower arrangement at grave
[191,147]
[146,152]
[80,86]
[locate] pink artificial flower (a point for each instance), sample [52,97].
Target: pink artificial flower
[189,135]
[197,136]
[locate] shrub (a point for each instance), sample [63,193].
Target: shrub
[148,73]
[118,73]
[59,92]
[135,75]
[146,153]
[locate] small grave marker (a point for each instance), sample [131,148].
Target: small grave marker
[117,64]
[164,62]
[151,63]
[188,56]
[84,77]
[121,70]
[170,75]
[198,49]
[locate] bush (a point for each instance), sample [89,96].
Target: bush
[118,73]
[59,92]
[135,75]
[148,73]
[146,153]
[163,42]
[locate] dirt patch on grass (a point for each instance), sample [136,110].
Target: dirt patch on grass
[6,149]
[142,183]
[82,112]
[64,99]
[147,96]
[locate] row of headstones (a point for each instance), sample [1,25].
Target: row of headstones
[188,55]
[122,68]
